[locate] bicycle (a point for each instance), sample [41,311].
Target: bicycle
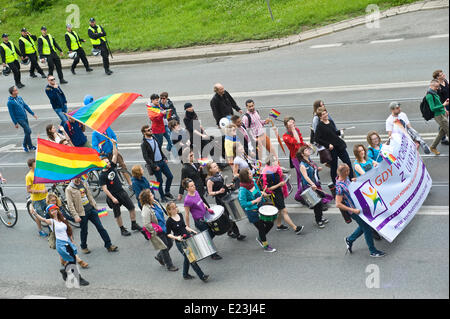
[9,213]
[93,181]
[60,193]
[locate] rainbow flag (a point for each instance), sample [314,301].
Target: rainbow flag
[100,145]
[274,113]
[168,114]
[59,163]
[153,111]
[102,212]
[154,185]
[101,113]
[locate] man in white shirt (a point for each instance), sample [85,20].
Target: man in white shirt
[398,115]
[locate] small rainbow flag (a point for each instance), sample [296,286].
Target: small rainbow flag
[274,113]
[153,111]
[59,163]
[154,185]
[168,114]
[203,161]
[100,145]
[100,114]
[388,157]
[102,212]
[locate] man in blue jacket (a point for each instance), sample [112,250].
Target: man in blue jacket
[18,111]
[57,98]
[104,147]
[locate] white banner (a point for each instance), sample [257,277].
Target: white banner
[390,194]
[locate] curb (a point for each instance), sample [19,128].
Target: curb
[249,47]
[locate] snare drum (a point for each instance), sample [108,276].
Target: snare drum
[268,213]
[310,197]
[199,247]
[234,208]
[219,221]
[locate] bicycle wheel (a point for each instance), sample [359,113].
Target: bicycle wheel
[9,213]
[94,183]
[29,209]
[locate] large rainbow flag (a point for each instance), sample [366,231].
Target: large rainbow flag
[58,163]
[99,114]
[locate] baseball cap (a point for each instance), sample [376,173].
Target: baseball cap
[43,27]
[4,35]
[50,207]
[187,105]
[91,20]
[68,25]
[393,105]
[23,30]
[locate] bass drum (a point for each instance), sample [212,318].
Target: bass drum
[231,202]
[199,247]
[219,221]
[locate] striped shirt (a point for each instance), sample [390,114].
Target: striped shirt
[342,190]
[256,125]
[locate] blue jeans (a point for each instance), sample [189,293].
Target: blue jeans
[363,228]
[166,135]
[92,216]
[60,112]
[40,206]
[186,263]
[26,129]
[163,169]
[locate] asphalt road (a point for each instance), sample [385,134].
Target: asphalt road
[357,79]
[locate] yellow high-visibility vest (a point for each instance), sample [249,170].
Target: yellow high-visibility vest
[74,41]
[46,45]
[10,54]
[97,30]
[30,47]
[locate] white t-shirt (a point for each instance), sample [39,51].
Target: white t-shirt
[60,230]
[390,121]
[240,162]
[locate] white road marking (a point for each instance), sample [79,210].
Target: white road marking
[424,210]
[42,297]
[342,88]
[386,41]
[322,46]
[438,36]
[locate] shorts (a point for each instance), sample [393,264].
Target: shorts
[40,206]
[123,199]
[278,199]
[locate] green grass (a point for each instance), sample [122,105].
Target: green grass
[141,25]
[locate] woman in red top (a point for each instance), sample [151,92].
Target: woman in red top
[294,140]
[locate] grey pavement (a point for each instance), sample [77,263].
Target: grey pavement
[357,80]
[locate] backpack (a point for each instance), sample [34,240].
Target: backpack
[427,114]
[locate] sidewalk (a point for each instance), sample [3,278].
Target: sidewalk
[246,47]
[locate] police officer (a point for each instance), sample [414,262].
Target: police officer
[73,43]
[98,39]
[10,55]
[28,48]
[47,50]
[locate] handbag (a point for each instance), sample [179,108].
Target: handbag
[325,156]
[52,238]
[157,228]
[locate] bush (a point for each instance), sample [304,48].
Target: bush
[30,6]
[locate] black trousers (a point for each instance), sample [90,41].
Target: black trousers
[104,53]
[263,228]
[80,55]
[54,62]
[34,65]
[15,68]
[343,155]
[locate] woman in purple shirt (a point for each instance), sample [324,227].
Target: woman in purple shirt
[194,204]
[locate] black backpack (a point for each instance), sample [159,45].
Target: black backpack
[427,114]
